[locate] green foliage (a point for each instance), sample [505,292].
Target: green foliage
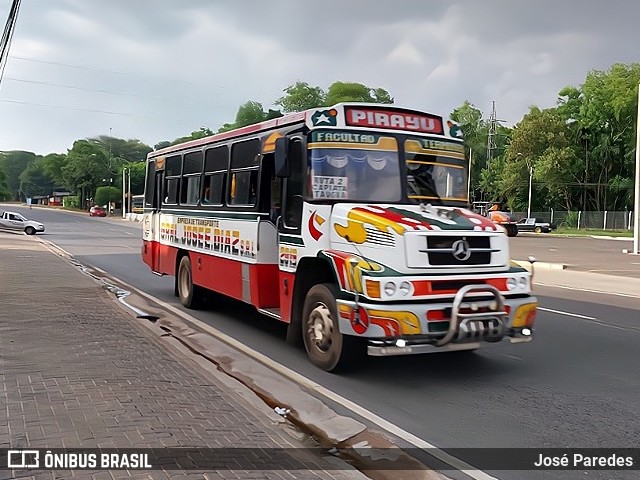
[542,141]
[121,151]
[571,220]
[72,201]
[355,92]
[301,96]
[195,135]
[601,114]
[106,195]
[35,181]
[250,113]
[13,163]
[474,131]
[137,172]
[5,193]
[52,165]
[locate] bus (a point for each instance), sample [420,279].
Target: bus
[350,223]
[137,204]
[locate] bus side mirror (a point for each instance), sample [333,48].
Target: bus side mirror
[281,160]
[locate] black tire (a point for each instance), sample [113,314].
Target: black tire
[326,347]
[538,229]
[190,295]
[512,230]
[30,231]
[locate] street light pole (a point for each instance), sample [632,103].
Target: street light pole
[636,207]
[530,182]
[124,205]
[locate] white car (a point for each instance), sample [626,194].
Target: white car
[15,221]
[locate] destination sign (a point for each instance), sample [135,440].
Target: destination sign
[393,119]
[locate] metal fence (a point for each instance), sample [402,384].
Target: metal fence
[605,220]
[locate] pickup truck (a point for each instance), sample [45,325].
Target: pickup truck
[15,221]
[534,225]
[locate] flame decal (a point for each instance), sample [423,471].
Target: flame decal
[313,230]
[382,219]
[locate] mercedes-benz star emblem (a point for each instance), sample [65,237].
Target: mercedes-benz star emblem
[460,250]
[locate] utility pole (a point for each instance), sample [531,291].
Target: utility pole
[493,133]
[7,35]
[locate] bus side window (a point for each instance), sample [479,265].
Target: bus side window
[213,187]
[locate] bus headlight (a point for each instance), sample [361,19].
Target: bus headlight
[405,288]
[512,283]
[389,289]
[524,283]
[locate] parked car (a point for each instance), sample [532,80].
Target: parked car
[97,211]
[534,225]
[15,221]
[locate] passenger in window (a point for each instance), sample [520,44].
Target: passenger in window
[206,198]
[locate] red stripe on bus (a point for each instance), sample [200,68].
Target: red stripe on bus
[286,295]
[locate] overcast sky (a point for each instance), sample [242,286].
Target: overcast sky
[158,69]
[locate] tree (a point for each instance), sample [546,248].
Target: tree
[249,113]
[195,135]
[485,179]
[52,165]
[35,181]
[474,131]
[87,167]
[355,92]
[602,118]
[13,163]
[107,195]
[137,171]
[131,150]
[542,140]
[301,96]
[5,193]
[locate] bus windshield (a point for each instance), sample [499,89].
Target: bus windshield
[354,167]
[436,171]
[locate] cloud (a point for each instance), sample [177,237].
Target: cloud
[158,69]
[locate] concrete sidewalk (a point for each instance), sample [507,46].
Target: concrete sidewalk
[77,371]
[555,275]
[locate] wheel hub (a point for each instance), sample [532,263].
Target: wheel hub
[321,327]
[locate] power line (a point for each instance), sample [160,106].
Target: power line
[7,36]
[64,107]
[110,92]
[131,74]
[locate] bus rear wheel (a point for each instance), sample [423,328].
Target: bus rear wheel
[190,294]
[326,347]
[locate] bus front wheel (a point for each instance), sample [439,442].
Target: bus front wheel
[326,347]
[190,294]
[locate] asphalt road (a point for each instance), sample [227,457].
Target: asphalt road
[576,385]
[579,253]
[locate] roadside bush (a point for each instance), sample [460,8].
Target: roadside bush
[71,202]
[571,220]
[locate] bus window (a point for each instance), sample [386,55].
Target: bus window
[171,190]
[190,184]
[190,191]
[150,191]
[213,188]
[244,187]
[245,163]
[215,175]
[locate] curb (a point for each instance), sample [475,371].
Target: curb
[543,265]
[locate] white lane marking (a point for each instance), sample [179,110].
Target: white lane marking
[569,314]
[325,392]
[584,317]
[587,290]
